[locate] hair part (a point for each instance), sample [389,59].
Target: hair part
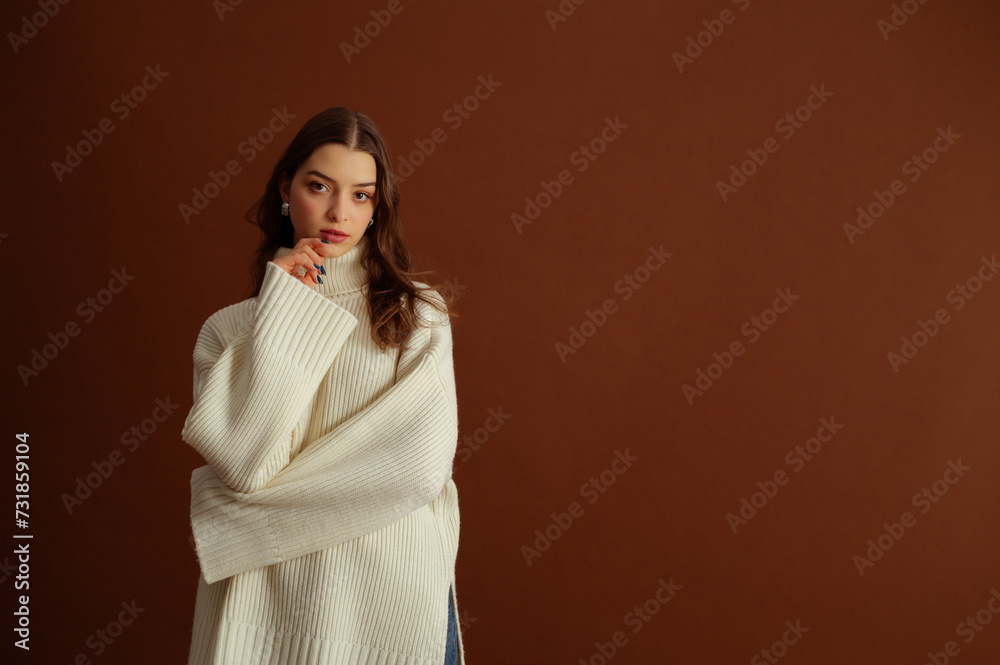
[386,259]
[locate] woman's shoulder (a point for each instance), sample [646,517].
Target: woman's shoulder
[427,313]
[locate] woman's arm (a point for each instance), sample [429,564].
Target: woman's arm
[252,383]
[385,462]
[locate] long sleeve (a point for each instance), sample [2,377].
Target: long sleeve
[251,385]
[386,461]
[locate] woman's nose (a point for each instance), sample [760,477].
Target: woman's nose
[336,206]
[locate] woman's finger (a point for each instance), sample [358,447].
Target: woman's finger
[308,260]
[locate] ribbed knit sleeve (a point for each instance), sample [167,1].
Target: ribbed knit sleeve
[251,385]
[386,461]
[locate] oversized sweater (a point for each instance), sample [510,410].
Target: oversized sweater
[326,519]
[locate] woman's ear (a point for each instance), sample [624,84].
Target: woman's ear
[284,186]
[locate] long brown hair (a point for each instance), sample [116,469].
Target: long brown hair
[386,258]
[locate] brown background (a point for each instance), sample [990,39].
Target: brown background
[665,517]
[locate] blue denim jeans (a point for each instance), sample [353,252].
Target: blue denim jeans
[451,648]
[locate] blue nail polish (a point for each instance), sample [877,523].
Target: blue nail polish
[317,266]
[322,270]
[327,242]
[319,278]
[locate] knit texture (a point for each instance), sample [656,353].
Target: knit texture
[326,519]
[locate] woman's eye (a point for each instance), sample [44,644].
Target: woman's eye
[317,183]
[364,194]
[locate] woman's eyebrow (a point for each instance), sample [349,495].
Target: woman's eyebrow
[325,177]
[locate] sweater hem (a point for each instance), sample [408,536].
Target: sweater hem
[241,643]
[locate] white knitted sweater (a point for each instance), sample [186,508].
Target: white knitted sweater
[326,521]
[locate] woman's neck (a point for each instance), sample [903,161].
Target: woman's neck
[344,274]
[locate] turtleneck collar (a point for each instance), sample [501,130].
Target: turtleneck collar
[344,274]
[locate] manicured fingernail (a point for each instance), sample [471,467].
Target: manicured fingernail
[317,266]
[319,278]
[327,242]
[322,270]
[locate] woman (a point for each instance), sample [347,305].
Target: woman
[326,520]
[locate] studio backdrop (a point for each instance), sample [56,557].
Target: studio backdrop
[726,356]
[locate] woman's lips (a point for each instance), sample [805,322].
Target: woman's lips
[333,236]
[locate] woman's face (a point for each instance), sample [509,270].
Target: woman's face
[332,191]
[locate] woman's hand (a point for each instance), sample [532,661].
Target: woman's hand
[308,254]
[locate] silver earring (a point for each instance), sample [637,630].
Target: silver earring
[371,221]
[284,208]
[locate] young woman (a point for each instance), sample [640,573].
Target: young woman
[326,520]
